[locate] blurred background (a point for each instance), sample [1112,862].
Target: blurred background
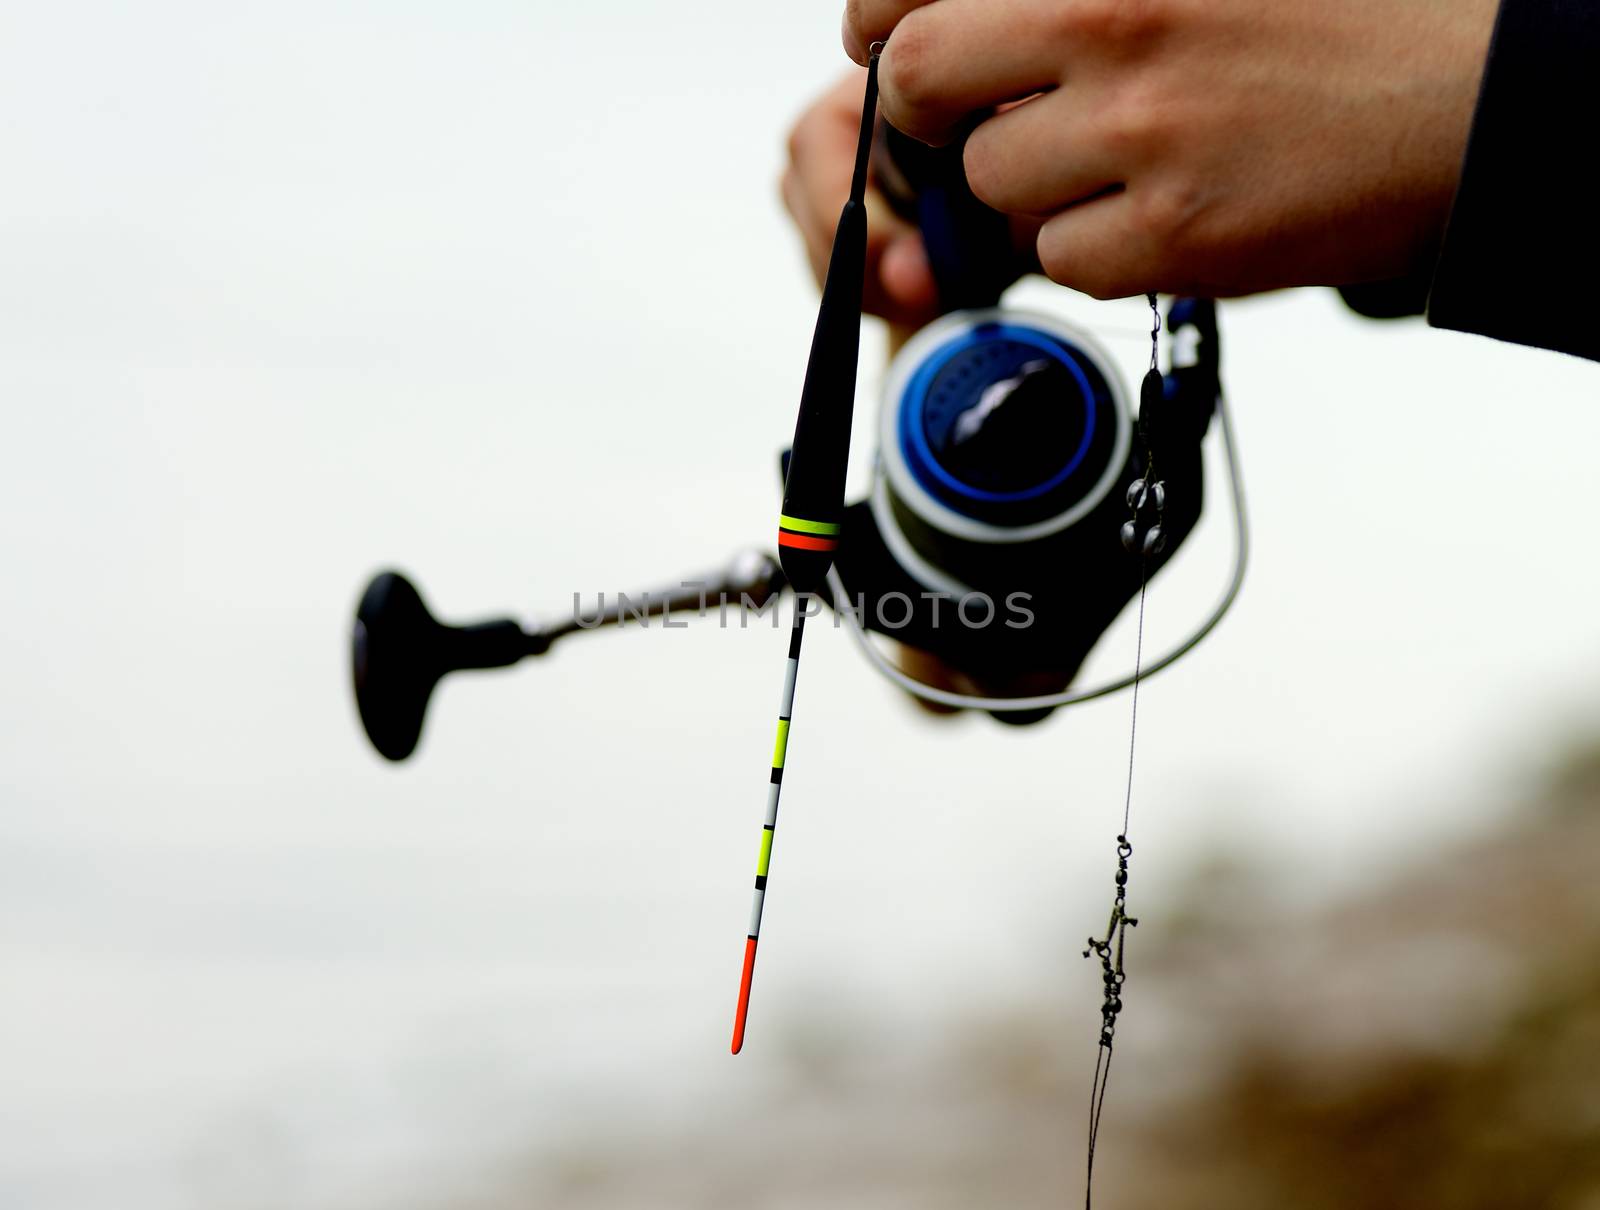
[503,295]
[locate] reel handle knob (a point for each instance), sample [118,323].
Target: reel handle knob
[399,651]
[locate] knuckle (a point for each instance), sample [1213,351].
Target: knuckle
[1166,213]
[1134,127]
[1115,24]
[908,78]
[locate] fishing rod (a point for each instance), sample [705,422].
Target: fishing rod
[1019,504]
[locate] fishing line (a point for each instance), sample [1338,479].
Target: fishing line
[1143,535]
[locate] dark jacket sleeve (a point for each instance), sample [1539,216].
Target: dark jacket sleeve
[1521,254]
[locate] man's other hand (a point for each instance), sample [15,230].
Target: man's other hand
[1214,147]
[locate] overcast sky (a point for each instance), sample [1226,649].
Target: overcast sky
[502,294]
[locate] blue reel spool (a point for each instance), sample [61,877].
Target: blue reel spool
[1005,421]
[999,427]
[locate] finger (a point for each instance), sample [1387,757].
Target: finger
[1044,155]
[1103,247]
[907,279]
[935,672]
[869,21]
[899,284]
[959,57]
[822,151]
[799,207]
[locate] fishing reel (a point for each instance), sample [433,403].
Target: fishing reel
[1012,480]
[1011,484]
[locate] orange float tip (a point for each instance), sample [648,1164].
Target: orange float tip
[744,994]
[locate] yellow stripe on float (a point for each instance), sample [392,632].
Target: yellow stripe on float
[801,525]
[766,853]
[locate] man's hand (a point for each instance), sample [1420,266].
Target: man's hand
[822,152]
[1210,147]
